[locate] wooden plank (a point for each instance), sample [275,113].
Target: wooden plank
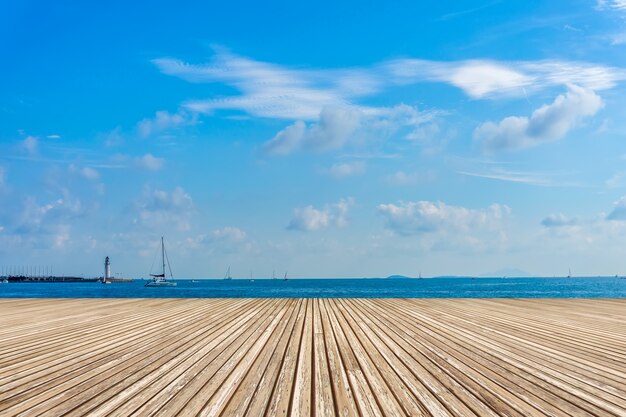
[313,357]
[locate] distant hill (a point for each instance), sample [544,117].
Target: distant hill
[398,277]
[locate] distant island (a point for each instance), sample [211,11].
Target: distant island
[400,277]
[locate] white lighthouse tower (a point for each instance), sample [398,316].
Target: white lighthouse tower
[107,270]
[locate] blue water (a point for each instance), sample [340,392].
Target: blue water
[335,288]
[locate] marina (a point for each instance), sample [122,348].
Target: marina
[313,357]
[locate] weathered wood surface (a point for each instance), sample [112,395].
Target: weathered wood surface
[315,357]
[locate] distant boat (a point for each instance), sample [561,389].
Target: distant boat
[273,274]
[158,280]
[227,276]
[569,275]
[285,277]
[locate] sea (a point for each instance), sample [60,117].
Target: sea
[456,287]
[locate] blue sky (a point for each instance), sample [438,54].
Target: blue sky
[335,139]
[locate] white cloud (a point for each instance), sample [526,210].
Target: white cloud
[162,121]
[311,219]
[162,210]
[46,223]
[619,5]
[287,140]
[61,237]
[339,126]
[402,178]
[113,138]
[332,131]
[30,144]
[347,169]
[149,162]
[90,173]
[85,172]
[427,217]
[229,234]
[617,180]
[53,137]
[547,123]
[226,240]
[619,211]
[558,220]
[601,231]
[479,79]
[323,104]
[618,39]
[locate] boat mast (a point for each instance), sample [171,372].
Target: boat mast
[163,256]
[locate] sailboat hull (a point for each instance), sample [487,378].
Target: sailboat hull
[160,284]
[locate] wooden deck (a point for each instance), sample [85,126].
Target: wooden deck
[323,357]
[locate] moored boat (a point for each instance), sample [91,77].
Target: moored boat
[159,280]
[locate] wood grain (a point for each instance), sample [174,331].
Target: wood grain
[313,357]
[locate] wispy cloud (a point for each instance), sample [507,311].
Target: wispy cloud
[617,5]
[326,108]
[459,13]
[268,90]
[347,169]
[540,179]
[496,79]
[276,91]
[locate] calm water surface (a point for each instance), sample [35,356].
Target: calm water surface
[335,288]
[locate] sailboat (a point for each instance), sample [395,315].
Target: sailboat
[227,276]
[158,280]
[285,277]
[569,275]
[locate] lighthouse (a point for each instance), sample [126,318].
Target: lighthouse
[107,270]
